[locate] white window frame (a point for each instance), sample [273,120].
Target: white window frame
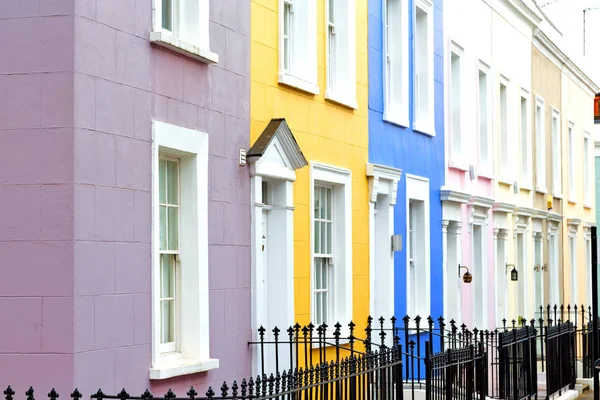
[302,73]
[556,154]
[540,145]
[505,170]
[395,61]
[485,152]
[417,188]
[424,120]
[587,232]
[340,62]
[571,165]
[456,108]
[553,263]
[587,171]
[480,321]
[190,33]
[573,263]
[192,353]
[525,130]
[340,179]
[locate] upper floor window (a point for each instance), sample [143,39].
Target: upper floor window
[503,128]
[571,166]
[456,103]
[525,134]
[540,145]
[484,117]
[424,80]
[396,61]
[556,154]
[183,26]
[298,44]
[341,52]
[587,183]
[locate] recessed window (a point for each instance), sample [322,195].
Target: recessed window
[423,80]
[556,154]
[331,231]
[417,268]
[396,61]
[503,128]
[540,145]
[323,224]
[169,252]
[571,172]
[456,105]
[587,183]
[180,336]
[183,26]
[484,121]
[298,44]
[525,137]
[341,51]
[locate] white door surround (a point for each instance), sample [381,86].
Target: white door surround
[452,202]
[554,276]
[273,159]
[573,228]
[383,188]
[521,220]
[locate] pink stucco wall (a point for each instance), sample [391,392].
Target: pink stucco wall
[84,85]
[460,180]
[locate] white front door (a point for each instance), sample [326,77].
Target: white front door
[539,273]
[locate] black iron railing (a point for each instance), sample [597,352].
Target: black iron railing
[560,357]
[517,364]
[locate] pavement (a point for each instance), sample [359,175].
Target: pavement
[587,395]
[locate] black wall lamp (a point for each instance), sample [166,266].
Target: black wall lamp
[467,277]
[514,274]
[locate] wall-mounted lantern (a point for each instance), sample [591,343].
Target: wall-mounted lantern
[467,277]
[514,274]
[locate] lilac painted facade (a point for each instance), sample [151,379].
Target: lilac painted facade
[82,86]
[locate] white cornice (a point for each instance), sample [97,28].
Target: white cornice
[454,196]
[554,217]
[563,62]
[384,172]
[480,201]
[523,11]
[503,208]
[540,214]
[573,222]
[525,211]
[588,224]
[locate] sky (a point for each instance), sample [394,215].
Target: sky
[568,16]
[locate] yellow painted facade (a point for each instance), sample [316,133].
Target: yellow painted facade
[326,133]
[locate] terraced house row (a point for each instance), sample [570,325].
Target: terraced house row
[177,174]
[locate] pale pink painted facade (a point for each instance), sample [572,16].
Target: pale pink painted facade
[82,85]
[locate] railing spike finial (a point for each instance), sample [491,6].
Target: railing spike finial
[192,393]
[53,395]
[170,395]
[210,393]
[76,395]
[148,396]
[29,393]
[9,393]
[224,389]
[123,395]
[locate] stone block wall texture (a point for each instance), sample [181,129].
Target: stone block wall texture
[85,85]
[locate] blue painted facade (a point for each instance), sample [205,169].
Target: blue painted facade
[412,152]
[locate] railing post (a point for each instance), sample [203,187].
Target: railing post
[595,352]
[427,371]
[501,366]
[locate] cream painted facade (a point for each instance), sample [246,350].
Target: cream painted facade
[503,140]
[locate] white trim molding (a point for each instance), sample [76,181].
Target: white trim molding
[383,188]
[340,180]
[192,352]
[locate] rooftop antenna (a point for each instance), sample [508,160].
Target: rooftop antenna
[585,10]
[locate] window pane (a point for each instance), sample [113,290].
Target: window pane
[317,201]
[323,203]
[329,238]
[332,11]
[168,321]
[328,202]
[318,282]
[325,307]
[167,15]
[318,313]
[317,237]
[172,182]
[324,274]
[162,181]
[173,225]
[324,248]
[167,276]
[163,227]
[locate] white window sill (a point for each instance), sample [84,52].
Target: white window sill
[541,190]
[424,128]
[181,366]
[458,165]
[587,205]
[486,174]
[557,195]
[167,40]
[395,119]
[526,186]
[572,200]
[341,100]
[298,83]
[504,180]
